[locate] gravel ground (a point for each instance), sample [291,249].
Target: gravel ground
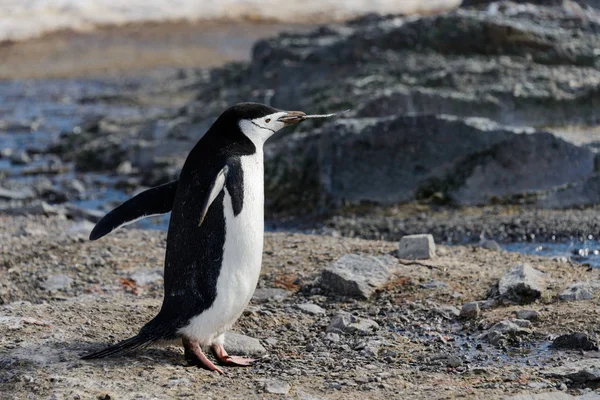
[63,296]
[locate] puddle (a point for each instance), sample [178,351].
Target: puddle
[587,252]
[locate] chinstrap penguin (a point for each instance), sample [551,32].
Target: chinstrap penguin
[215,236]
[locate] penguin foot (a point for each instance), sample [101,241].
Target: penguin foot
[195,356]
[225,359]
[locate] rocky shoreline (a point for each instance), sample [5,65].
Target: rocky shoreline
[452,322]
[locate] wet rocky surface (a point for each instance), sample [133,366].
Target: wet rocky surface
[62,296]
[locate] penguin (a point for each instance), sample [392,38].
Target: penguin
[215,235]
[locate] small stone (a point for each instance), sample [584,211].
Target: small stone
[143,277]
[74,185]
[57,282]
[416,247]
[357,275]
[242,345]
[523,323]
[311,309]
[23,194]
[269,294]
[522,284]
[530,315]
[332,337]
[20,158]
[454,362]
[580,291]
[576,341]
[470,310]
[447,311]
[271,341]
[277,387]
[125,168]
[344,322]
[491,245]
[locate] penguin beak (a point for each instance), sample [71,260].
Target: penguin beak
[292,117]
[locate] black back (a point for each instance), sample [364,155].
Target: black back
[195,253]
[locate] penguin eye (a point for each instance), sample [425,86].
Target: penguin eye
[268,120]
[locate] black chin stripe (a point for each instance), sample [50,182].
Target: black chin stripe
[262,127]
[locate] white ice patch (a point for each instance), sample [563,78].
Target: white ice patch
[22,19]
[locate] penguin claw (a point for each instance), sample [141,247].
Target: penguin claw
[225,359]
[237,361]
[195,357]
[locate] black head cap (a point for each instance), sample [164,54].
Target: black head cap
[248,111]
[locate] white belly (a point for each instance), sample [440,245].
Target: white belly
[242,257]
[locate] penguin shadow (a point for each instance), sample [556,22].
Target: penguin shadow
[32,356]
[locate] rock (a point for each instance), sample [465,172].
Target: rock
[263,295]
[574,341]
[357,275]
[580,291]
[147,276]
[20,158]
[344,322]
[277,387]
[23,194]
[82,228]
[505,330]
[580,371]
[243,345]
[433,284]
[544,396]
[312,309]
[332,337]
[416,247]
[523,323]
[522,284]
[125,168]
[41,208]
[490,245]
[530,315]
[75,186]
[470,310]
[57,282]
[449,312]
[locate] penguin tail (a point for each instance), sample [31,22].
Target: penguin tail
[124,347]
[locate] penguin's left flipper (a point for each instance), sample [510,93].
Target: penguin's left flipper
[215,189]
[155,201]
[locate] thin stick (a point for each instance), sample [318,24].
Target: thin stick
[325,115]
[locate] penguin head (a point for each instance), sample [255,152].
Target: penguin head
[259,122]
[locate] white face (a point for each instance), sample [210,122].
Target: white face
[260,129]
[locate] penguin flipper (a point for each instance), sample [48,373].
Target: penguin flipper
[155,201]
[124,347]
[214,191]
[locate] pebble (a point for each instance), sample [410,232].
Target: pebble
[269,294]
[311,309]
[448,311]
[20,158]
[491,245]
[416,247]
[242,345]
[344,322]
[277,387]
[146,276]
[505,330]
[470,310]
[530,315]
[57,282]
[580,371]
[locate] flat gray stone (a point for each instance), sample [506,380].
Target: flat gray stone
[578,371]
[448,311]
[470,310]
[416,247]
[242,345]
[344,322]
[57,282]
[491,245]
[357,275]
[522,284]
[580,291]
[22,194]
[269,294]
[277,387]
[312,309]
[530,315]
